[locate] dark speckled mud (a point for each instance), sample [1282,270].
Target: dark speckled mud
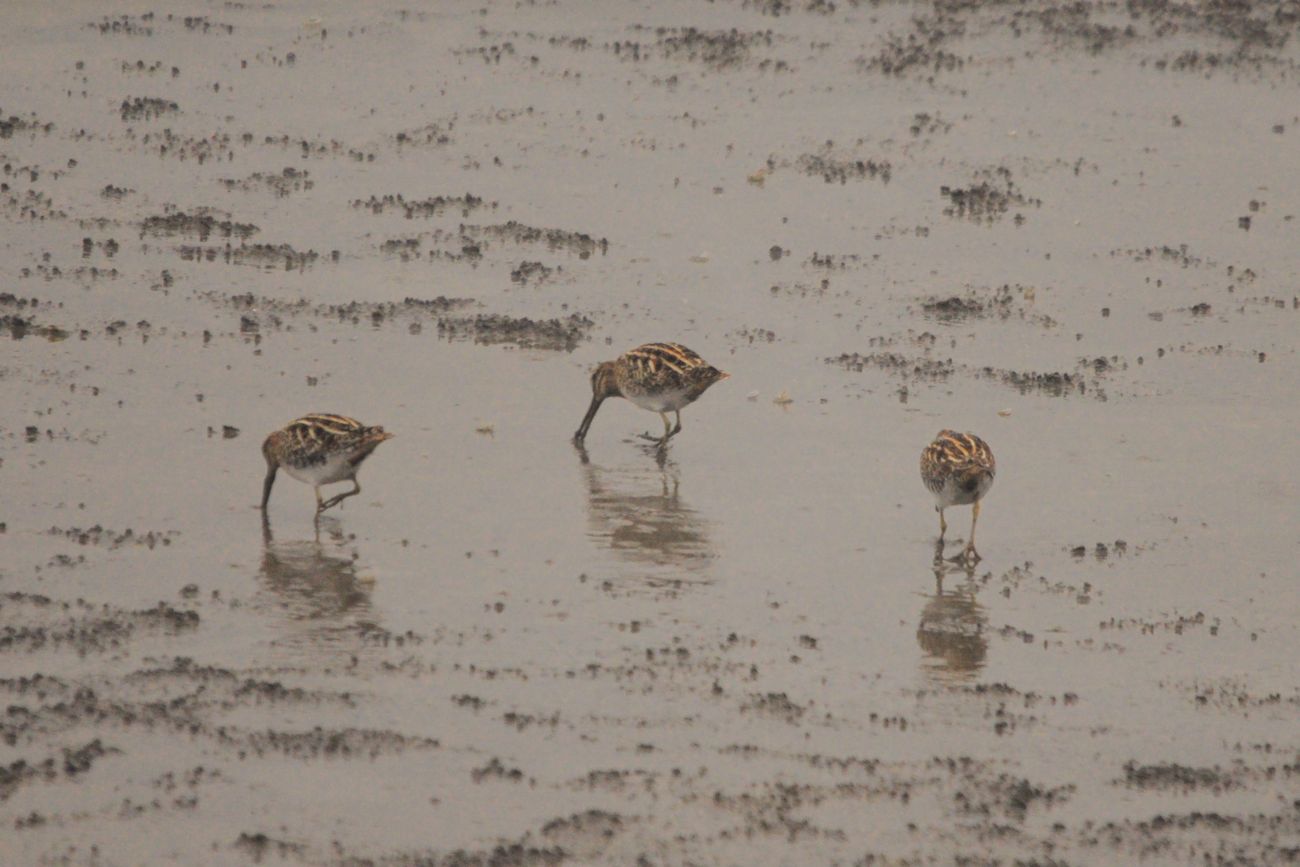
[1068,228]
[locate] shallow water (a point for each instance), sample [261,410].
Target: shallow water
[507,650]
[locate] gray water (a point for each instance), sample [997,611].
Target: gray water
[738,651]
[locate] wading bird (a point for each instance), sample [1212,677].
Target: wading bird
[320,449]
[958,468]
[660,377]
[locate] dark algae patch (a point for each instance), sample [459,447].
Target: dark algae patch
[147,108]
[432,206]
[834,168]
[1086,380]
[562,334]
[276,256]
[197,224]
[69,764]
[1174,776]
[987,198]
[30,623]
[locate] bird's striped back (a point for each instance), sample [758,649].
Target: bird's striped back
[958,456]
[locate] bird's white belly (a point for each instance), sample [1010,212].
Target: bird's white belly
[954,495]
[335,468]
[663,401]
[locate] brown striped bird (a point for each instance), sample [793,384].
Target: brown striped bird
[660,377]
[320,449]
[958,468]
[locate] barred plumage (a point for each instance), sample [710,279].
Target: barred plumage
[320,449]
[958,469]
[660,377]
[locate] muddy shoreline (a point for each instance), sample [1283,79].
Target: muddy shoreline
[1070,228]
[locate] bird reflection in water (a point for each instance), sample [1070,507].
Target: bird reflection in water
[953,625]
[313,584]
[637,512]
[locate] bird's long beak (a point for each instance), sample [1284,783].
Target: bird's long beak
[267,484]
[586,420]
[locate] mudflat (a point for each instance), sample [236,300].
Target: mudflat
[1068,228]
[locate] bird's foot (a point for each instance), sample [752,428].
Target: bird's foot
[968,556]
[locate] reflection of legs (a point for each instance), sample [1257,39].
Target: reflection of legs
[338,498]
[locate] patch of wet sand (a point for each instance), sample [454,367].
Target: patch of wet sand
[1066,228]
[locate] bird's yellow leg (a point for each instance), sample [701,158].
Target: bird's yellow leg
[338,498]
[667,431]
[970,551]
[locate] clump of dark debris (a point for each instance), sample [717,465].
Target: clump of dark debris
[39,622]
[126,25]
[268,312]
[203,24]
[581,243]
[258,845]
[147,108]
[435,133]
[1180,255]
[776,704]
[1072,24]
[260,255]
[564,334]
[289,180]
[926,369]
[532,271]
[15,124]
[495,770]
[19,327]
[324,743]
[490,328]
[924,123]
[955,307]
[1003,302]
[112,539]
[916,52]
[833,168]
[1054,383]
[9,299]
[1166,775]
[73,762]
[433,206]
[581,837]
[988,198]
[777,8]
[199,222]
[716,49]
[833,261]
[1085,381]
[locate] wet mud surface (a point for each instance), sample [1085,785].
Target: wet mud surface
[1070,228]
